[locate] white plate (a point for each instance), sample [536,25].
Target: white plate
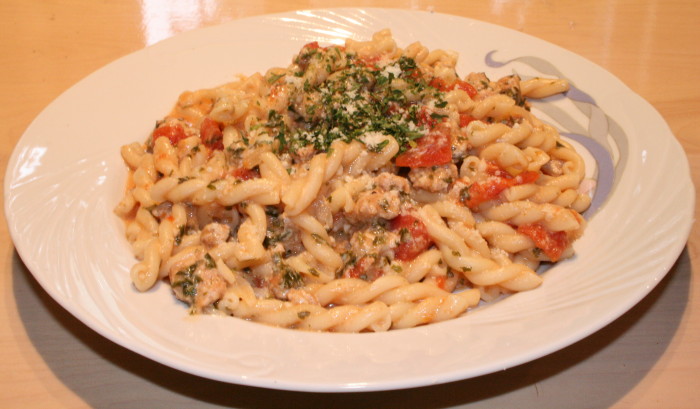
[66,175]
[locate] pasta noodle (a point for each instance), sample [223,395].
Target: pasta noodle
[361,188]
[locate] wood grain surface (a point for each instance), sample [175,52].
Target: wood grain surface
[649,358]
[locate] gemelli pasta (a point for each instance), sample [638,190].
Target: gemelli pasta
[363,188]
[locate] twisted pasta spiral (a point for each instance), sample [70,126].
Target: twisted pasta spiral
[361,188]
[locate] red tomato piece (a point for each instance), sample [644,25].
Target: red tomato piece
[370,62]
[500,180]
[552,243]
[526,177]
[480,192]
[439,84]
[414,239]
[519,179]
[465,119]
[244,174]
[175,133]
[276,90]
[426,119]
[441,281]
[360,268]
[495,170]
[211,134]
[433,149]
[467,87]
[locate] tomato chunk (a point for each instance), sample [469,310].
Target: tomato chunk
[175,133]
[526,177]
[428,118]
[441,85]
[244,174]
[441,281]
[370,62]
[211,134]
[465,119]
[467,87]
[361,269]
[479,192]
[552,243]
[414,237]
[433,149]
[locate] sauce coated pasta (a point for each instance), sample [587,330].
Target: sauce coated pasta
[363,188]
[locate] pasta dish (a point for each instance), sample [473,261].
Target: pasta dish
[362,188]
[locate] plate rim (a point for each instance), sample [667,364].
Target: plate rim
[671,256]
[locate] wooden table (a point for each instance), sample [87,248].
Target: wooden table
[649,358]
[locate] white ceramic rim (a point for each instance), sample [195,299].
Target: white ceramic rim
[56,185]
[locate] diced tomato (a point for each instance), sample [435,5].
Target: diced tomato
[518,179]
[495,170]
[440,84]
[175,133]
[211,134]
[433,149]
[500,180]
[276,90]
[244,174]
[441,281]
[424,118]
[260,282]
[480,192]
[465,119]
[526,177]
[414,239]
[427,118]
[552,243]
[370,62]
[467,87]
[312,45]
[360,268]
[364,269]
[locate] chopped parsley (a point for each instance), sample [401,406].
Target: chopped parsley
[378,147]
[318,238]
[405,235]
[276,231]
[209,261]
[464,195]
[356,98]
[517,96]
[274,77]
[187,280]
[291,278]
[180,234]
